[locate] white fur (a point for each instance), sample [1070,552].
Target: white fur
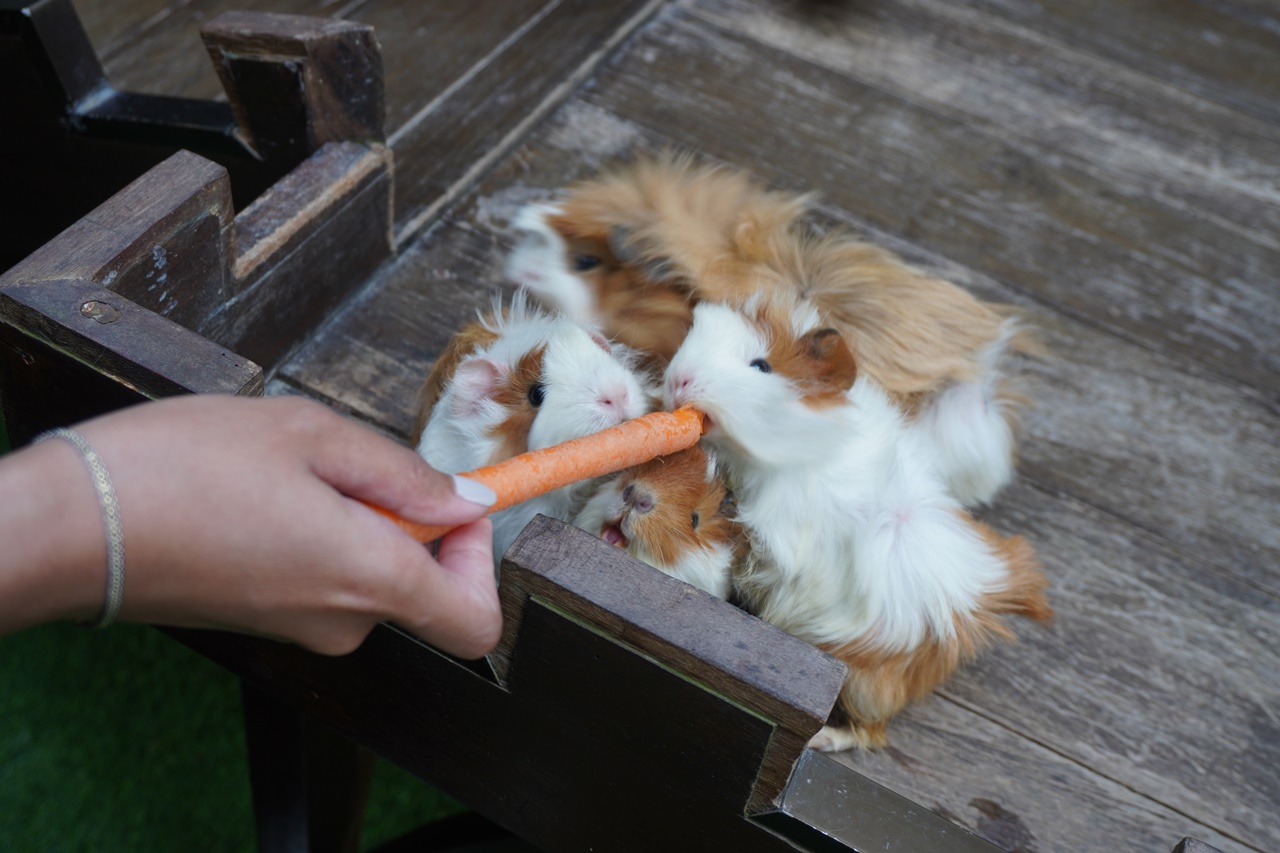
[706,568]
[540,261]
[966,428]
[586,389]
[853,535]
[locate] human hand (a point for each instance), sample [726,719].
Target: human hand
[246,515]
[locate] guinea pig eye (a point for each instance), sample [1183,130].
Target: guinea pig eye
[582,263]
[536,394]
[697,519]
[761,365]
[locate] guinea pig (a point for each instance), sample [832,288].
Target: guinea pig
[630,251]
[675,514]
[522,379]
[856,545]
[634,250]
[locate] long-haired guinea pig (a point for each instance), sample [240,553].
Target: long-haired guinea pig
[855,544]
[522,379]
[626,250]
[636,249]
[675,514]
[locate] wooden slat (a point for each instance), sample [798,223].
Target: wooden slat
[471,125]
[166,58]
[1021,795]
[305,245]
[1040,95]
[1107,253]
[430,47]
[110,24]
[1158,672]
[372,357]
[1229,52]
[163,242]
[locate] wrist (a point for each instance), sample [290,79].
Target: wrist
[52,535]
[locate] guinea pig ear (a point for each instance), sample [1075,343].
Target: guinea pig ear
[829,360]
[602,342]
[474,381]
[728,505]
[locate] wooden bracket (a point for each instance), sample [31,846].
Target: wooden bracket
[297,82]
[294,84]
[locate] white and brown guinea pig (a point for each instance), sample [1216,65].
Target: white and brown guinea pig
[635,249]
[522,379]
[627,250]
[675,514]
[855,544]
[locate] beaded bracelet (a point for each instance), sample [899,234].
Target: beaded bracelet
[110,521]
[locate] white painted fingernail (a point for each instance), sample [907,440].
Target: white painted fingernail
[475,492]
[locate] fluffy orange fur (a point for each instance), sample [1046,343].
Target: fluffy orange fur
[881,683]
[673,233]
[679,488]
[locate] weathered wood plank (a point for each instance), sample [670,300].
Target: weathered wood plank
[1104,252]
[372,356]
[305,245]
[1229,52]
[1032,91]
[1158,672]
[162,59]
[296,82]
[429,48]
[164,242]
[71,350]
[111,24]
[471,125]
[1019,794]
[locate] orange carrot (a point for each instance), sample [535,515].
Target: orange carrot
[537,472]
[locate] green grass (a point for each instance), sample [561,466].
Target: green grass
[124,740]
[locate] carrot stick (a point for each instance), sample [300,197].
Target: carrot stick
[537,472]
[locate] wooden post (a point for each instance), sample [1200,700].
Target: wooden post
[297,82]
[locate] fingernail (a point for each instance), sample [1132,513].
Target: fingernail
[470,490]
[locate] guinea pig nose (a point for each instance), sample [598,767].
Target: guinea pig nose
[638,499]
[615,398]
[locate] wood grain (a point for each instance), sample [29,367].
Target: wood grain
[164,58]
[1041,95]
[1227,52]
[430,48]
[512,89]
[112,24]
[1107,253]
[303,247]
[1021,795]
[1158,672]
[374,354]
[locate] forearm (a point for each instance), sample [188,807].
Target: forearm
[52,546]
